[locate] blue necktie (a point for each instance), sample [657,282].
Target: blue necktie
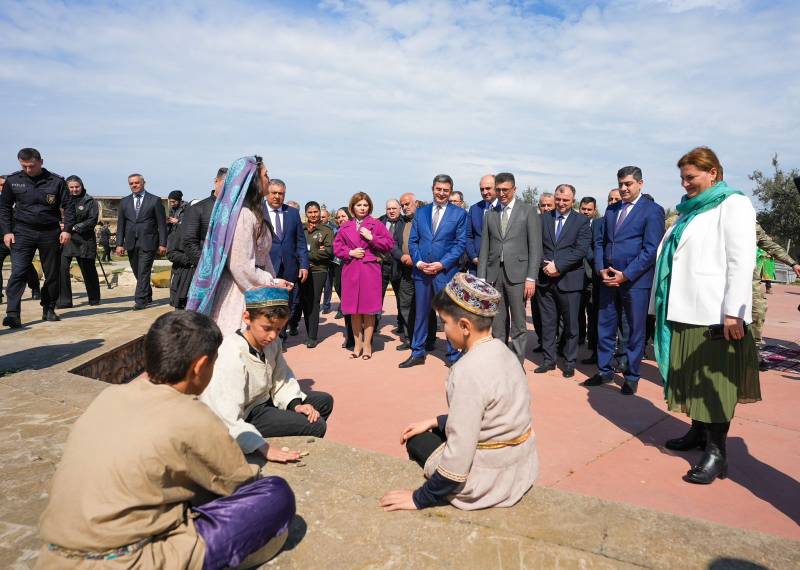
[559,225]
[278,227]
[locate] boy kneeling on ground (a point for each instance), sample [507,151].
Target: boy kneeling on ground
[483,452]
[140,456]
[254,391]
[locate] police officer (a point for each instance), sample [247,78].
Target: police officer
[82,246]
[31,276]
[30,213]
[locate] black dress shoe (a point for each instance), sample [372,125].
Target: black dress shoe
[544,368]
[629,388]
[538,349]
[50,315]
[293,331]
[568,372]
[94,303]
[139,307]
[311,343]
[591,360]
[12,323]
[403,346]
[412,361]
[596,380]
[36,295]
[60,306]
[693,438]
[397,331]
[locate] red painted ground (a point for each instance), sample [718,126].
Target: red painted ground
[596,442]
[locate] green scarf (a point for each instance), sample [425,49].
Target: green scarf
[688,209]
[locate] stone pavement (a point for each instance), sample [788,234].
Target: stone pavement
[591,442]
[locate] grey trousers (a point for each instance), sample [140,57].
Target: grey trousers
[510,318]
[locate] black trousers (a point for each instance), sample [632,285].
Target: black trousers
[106,252]
[272,422]
[349,339]
[310,294]
[386,280]
[553,304]
[90,279]
[420,447]
[142,266]
[27,241]
[31,276]
[536,316]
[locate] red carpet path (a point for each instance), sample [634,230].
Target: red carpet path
[591,441]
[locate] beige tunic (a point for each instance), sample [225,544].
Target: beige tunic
[488,400]
[241,382]
[132,463]
[248,267]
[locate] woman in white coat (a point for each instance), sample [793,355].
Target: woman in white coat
[702,299]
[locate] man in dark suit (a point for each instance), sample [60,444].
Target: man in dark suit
[475,220]
[587,316]
[624,257]
[510,257]
[196,219]
[390,268]
[566,237]
[437,239]
[289,252]
[142,232]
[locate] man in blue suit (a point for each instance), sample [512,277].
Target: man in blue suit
[624,258]
[289,252]
[436,242]
[475,220]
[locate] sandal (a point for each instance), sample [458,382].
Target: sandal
[354,355]
[366,356]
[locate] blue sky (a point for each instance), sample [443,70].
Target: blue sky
[380,96]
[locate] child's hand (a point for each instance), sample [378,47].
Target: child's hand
[399,500]
[417,428]
[278,455]
[307,410]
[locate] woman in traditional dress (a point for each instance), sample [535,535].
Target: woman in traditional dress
[235,256]
[360,244]
[702,300]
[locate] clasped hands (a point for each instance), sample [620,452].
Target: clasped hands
[430,268]
[550,269]
[612,277]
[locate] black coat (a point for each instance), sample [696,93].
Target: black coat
[396,253]
[195,227]
[36,202]
[83,242]
[182,268]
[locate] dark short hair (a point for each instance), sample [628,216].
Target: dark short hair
[344,209]
[569,187]
[444,304]
[272,313]
[176,340]
[649,197]
[135,174]
[457,193]
[588,200]
[277,182]
[222,172]
[311,204]
[28,154]
[634,171]
[442,179]
[501,177]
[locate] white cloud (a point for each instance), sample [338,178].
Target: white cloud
[381,95]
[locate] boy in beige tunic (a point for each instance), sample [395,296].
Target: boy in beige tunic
[483,452]
[142,453]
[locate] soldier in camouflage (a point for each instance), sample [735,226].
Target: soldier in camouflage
[765,242]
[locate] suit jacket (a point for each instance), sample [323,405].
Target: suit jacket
[596,224]
[195,227]
[446,246]
[475,228]
[148,230]
[289,253]
[632,250]
[568,252]
[520,248]
[396,253]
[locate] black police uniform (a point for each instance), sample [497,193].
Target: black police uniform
[31,275]
[30,208]
[83,247]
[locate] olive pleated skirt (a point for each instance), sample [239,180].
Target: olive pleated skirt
[707,378]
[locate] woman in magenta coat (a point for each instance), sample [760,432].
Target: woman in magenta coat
[360,244]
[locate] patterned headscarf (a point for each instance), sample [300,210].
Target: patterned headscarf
[221,228]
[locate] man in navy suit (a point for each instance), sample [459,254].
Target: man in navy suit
[624,257]
[142,232]
[289,251]
[566,237]
[475,220]
[437,239]
[590,296]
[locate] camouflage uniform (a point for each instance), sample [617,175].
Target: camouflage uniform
[759,298]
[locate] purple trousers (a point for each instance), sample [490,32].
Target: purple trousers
[235,526]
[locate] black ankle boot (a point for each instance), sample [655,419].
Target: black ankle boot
[695,437]
[714,462]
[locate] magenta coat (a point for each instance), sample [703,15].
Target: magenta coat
[361,278]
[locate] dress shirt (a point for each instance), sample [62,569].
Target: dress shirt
[632,204]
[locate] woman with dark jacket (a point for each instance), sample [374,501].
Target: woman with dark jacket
[702,297]
[182,267]
[82,246]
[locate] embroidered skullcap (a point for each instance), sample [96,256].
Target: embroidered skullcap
[266,297]
[473,294]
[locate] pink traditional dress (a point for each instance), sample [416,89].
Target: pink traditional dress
[248,267]
[361,278]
